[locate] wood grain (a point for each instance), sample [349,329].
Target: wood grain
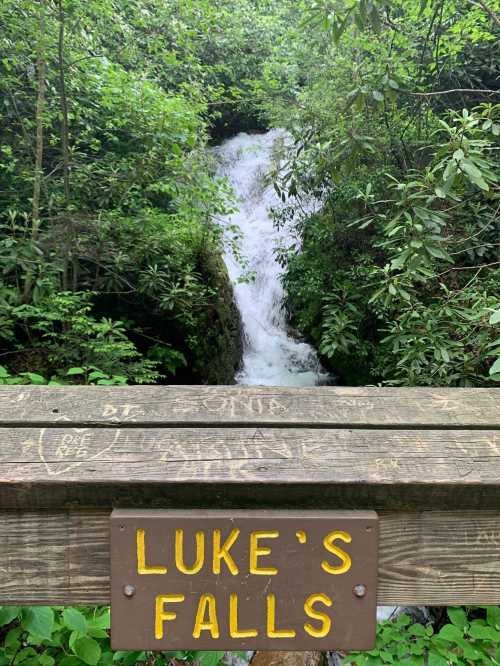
[68,455]
[250,406]
[99,467]
[426,558]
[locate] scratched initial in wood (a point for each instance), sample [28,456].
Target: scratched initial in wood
[445,403]
[241,457]
[122,413]
[234,406]
[67,450]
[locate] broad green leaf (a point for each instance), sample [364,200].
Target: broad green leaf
[437,252]
[495,368]
[71,661]
[97,374]
[450,633]
[495,318]
[34,377]
[472,652]
[435,659]
[74,620]
[416,630]
[88,650]
[474,174]
[38,620]
[493,616]
[7,614]
[458,616]
[12,639]
[446,358]
[101,620]
[211,658]
[483,632]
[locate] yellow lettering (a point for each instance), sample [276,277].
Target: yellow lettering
[222,552]
[257,551]
[272,632]
[329,544]
[317,615]
[142,567]
[161,615]
[207,601]
[234,632]
[179,553]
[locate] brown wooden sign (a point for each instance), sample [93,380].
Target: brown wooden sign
[238,580]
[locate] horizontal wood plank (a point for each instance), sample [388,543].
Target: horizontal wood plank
[250,406]
[426,558]
[70,454]
[99,467]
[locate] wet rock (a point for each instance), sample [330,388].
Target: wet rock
[277,658]
[222,340]
[237,659]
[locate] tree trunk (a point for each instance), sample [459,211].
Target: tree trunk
[70,260]
[41,65]
[64,109]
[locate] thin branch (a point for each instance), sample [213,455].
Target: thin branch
[475,247]
[21,123]
[22,351]
[467,268]
[471,91]
[492,14]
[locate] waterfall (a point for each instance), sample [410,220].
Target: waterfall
[272,356]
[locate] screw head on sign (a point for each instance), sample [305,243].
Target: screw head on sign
[128,590]
[359,590]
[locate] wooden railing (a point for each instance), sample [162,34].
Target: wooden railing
[427,460]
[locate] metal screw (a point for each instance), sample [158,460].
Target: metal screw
[128,590]
[359,590]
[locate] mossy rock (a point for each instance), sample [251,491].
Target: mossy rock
[223,344]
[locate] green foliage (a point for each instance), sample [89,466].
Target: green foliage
[107,238]
[395,275]
[67,335]
[37,635]
[42,635]
[55,636]
[495,349]
[471,636]
[110,250]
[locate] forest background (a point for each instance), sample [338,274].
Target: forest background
[111,238]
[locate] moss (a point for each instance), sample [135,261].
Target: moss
[222,350]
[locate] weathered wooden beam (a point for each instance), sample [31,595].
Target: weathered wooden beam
[250,406]
[70,455]
[100,467]
[427,558]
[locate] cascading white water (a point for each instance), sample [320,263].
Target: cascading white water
[272,356]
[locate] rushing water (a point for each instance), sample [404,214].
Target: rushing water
[273,356]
